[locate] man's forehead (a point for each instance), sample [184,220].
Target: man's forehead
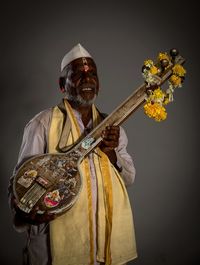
[80,62]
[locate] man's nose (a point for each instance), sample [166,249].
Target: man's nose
[86,76]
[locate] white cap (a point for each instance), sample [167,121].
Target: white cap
[77,52]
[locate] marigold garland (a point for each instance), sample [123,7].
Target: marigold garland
[155,111]
[157,99]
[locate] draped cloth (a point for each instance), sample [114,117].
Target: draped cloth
[71,234]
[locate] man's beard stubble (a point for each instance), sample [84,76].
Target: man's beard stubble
[79,100]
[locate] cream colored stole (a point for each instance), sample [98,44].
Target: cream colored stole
[71,235]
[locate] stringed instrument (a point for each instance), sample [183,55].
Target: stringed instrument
[51,183]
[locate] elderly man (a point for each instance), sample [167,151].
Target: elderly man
[98,229]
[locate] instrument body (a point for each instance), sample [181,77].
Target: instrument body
[48,183]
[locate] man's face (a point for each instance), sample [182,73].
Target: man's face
[82,84]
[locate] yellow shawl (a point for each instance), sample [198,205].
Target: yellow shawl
[71,235]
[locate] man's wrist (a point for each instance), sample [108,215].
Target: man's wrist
[118,166]
[111,154]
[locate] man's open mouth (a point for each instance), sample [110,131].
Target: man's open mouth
[87,89]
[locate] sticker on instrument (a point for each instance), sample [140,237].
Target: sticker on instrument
[87,143]
[28,177]
[43,161]
[43,182]
[52,198]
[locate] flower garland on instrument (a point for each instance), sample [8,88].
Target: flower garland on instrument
[157,99]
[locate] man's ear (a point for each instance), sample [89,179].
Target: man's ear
[62,82]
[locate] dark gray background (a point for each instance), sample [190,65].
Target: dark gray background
[120,36]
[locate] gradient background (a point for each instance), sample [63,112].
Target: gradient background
[120,36]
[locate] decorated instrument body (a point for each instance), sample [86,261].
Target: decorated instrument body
[48,183]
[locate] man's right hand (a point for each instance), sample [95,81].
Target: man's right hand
[33,217]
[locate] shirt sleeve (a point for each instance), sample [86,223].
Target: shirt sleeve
[34,142]
[124,160]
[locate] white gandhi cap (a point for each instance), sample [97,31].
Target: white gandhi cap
[76,52]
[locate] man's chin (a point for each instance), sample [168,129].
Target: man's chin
[85,102]
[79,100]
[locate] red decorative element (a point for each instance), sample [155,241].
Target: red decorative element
[52,199]
[86,68]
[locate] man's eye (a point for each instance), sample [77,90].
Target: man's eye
[76,75]
[92,74]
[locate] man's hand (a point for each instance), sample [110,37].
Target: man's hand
[110,141]
[32,217]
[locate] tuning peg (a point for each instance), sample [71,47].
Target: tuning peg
[174,52]
[164,63]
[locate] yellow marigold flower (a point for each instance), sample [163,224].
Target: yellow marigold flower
[149,110]
[155,111]
[161,114]
[166,101]
[163,56]
[148,63]
[178,70]
[158,94]
[175,80]
[153,70]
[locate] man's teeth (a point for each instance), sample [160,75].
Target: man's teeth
[87,89]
